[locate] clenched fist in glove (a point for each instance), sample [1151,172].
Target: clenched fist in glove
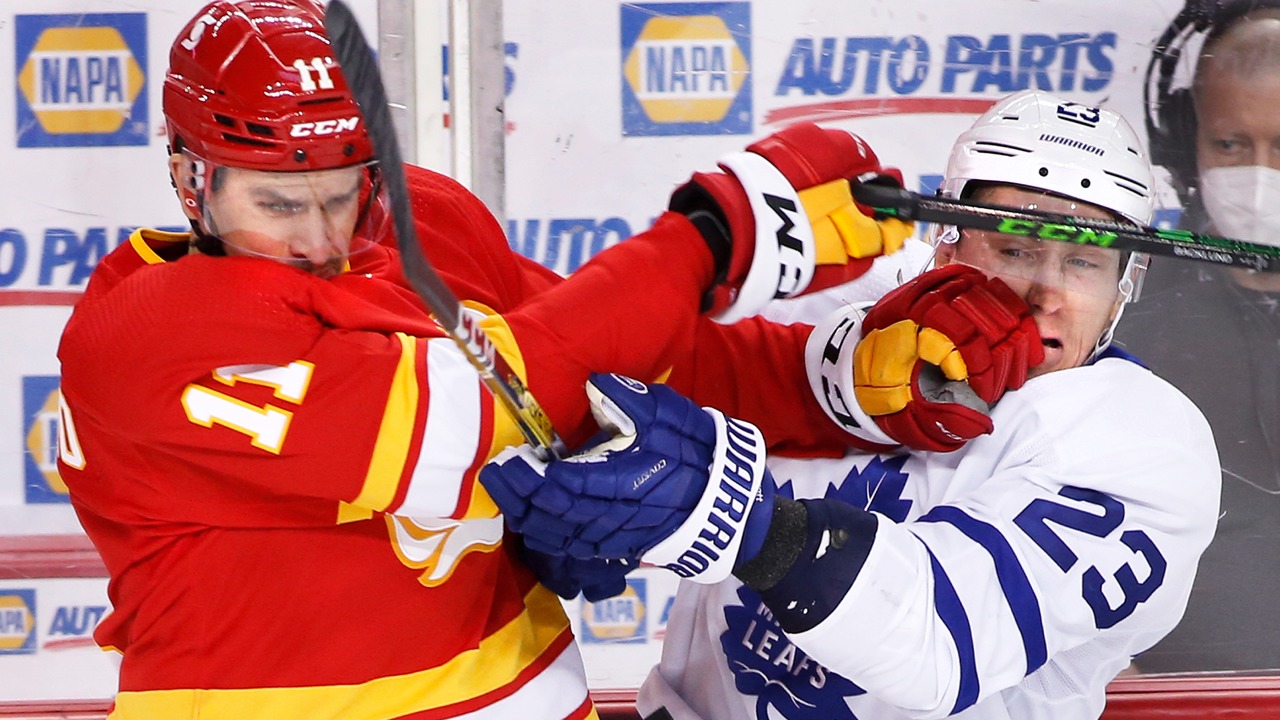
[924,364]
[595,579]
[677,485]
[780,219]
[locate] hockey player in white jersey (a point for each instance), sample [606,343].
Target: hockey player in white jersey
[1013,577]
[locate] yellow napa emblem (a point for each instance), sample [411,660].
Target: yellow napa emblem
[616,619]
[686,69]
[81,80]
[17,621]
[435,546]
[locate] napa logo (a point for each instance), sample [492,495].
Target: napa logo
[17,622]
[686,69]
[82,80]
[620,619]
[40,440]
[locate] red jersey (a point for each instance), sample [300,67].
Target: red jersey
[280,471]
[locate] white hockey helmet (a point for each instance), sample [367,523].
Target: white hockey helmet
[1042,142]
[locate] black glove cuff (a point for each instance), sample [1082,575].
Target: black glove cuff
[694,202]
[837,539]
[782,545]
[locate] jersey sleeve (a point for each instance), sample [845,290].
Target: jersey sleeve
[1088,530]
[755,370]
[634,309]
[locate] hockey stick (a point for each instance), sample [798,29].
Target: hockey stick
[361,69]
[889,201]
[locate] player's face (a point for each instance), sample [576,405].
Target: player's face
[1073,290]
[302,218]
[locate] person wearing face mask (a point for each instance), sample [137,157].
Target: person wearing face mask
[1215,332]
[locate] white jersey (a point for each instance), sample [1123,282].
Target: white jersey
[1011,579]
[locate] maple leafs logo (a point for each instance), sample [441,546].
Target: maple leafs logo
[767,665]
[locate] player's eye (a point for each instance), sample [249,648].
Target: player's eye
[281,207]
[1083,263]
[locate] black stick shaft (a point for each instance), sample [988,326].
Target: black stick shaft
[889,201]
[360,68]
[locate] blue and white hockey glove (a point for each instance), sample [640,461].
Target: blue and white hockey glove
[595,578]
[677,485]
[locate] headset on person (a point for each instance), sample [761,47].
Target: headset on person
[1170,112]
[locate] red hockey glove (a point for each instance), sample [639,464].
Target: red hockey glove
[938,351]
[781,220]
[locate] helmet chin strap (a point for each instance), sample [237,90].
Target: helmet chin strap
[1128,289]
[205,243]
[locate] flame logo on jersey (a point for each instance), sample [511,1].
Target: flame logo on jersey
[435,546]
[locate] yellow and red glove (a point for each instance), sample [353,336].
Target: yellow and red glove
[781,220]
[927,360]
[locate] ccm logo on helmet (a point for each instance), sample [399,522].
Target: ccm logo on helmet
[324,127]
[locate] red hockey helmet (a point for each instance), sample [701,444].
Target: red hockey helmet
[253,84]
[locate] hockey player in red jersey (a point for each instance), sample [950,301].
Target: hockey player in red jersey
[275,448]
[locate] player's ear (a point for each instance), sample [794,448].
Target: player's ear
[944,253]
[181,175]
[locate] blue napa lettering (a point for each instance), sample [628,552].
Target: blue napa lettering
[564,244]
[13,621]
[729,507]
[64,248]
[68,256]
[83,80]
[998,64]
[614,611]
[687,67]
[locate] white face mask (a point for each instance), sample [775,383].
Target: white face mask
[1243,202]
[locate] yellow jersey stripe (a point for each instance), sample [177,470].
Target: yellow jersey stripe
[138,241]
[391,451]
[495,664]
